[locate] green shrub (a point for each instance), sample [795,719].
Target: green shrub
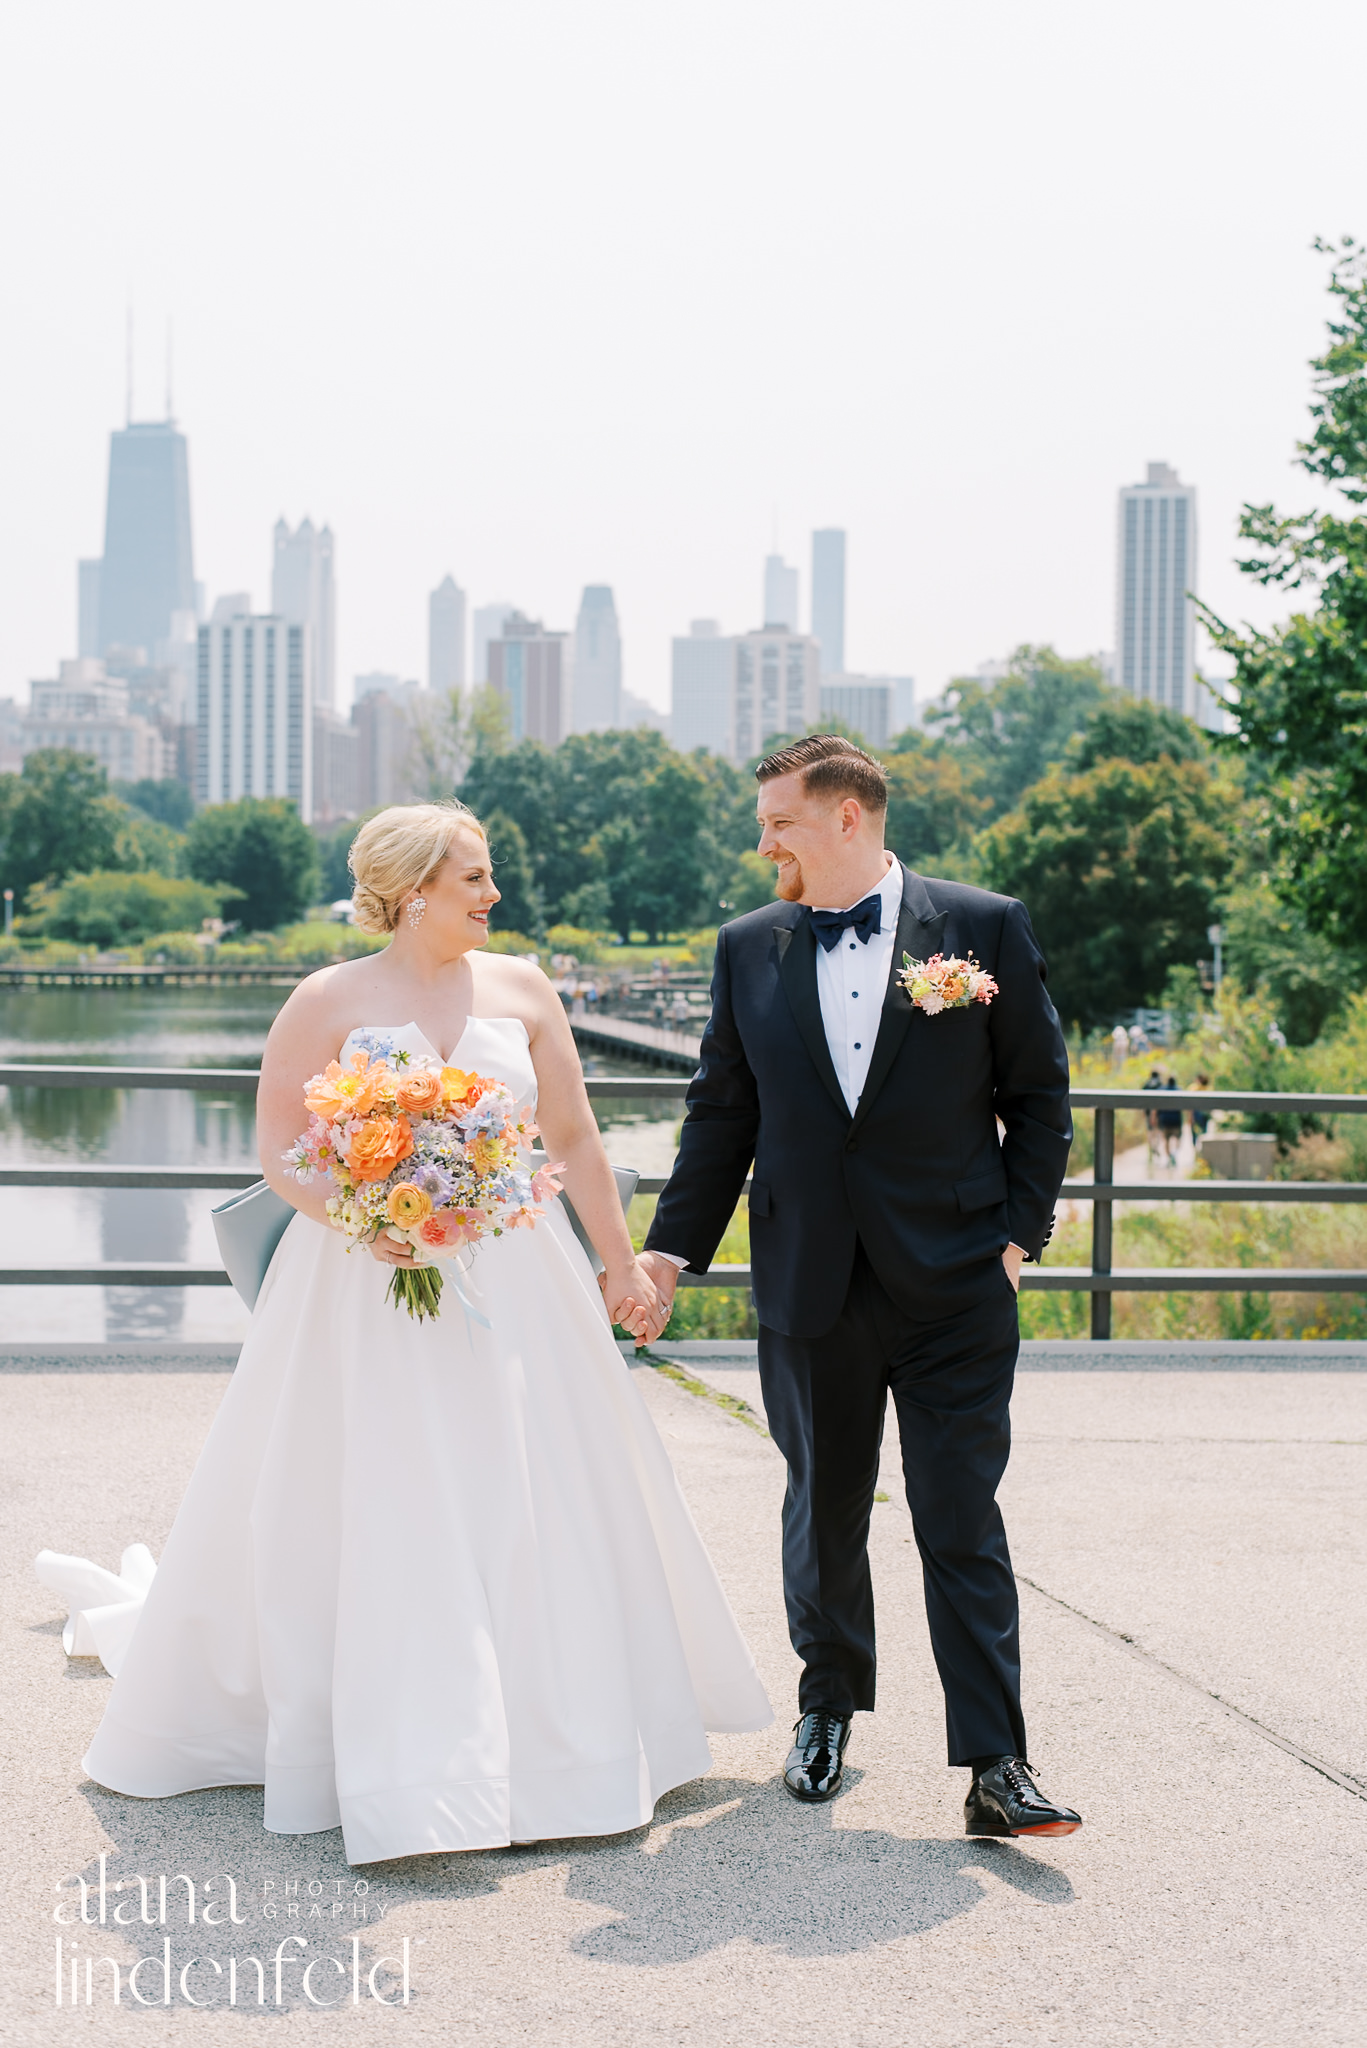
[108,908]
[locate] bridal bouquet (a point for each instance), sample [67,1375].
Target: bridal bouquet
[435,1157]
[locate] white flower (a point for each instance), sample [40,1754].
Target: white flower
[933,1003]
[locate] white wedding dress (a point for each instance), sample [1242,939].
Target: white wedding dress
[433,1582]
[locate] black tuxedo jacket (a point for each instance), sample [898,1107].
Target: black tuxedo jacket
[917,1174]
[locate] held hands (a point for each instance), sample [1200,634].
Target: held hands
[637,1299]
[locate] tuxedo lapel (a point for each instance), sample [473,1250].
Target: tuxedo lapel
[797,970]
[920,930]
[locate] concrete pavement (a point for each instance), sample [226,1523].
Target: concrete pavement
[1215,1896]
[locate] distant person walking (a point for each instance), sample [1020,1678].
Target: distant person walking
[1170,1126]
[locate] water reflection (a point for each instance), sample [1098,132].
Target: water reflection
[142,1127]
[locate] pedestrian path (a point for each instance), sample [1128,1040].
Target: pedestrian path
[1190,1546]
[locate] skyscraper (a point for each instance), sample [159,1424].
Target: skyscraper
[303,591]
[777,689]
[1155,569]
[527,668]
[780,593]
[828,598]
[597,681]
[703,690]
[489,621]
[88,609]
[147,572]
[446,636]
[254,709]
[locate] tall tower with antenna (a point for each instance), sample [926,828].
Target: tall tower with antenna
[147,572]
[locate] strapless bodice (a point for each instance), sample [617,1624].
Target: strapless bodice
[497,1047]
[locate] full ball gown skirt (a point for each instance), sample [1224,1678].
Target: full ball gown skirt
[432,1582]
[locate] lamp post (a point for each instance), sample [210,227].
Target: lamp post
[1216,933]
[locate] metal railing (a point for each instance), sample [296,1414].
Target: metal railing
[1100,1279]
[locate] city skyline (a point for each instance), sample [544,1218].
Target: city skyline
[967,415]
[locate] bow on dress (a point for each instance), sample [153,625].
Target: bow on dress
[104,1606]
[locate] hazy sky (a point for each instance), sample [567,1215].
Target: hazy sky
[547,292]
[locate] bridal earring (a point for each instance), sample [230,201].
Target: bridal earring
[415,911]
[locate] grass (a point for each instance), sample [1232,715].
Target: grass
[1175,1234]
[1214,1234]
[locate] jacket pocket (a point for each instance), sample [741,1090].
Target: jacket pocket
[982,1190]
[760,1202]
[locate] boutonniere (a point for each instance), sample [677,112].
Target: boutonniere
[939,984]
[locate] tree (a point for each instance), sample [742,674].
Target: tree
[1009,733]
[520,909]
[261,847]
[119,909]
[57,818]
[168,801]
[616,826]
[1120,868]
[931,802]
[1128,729]
[751,886]
[1299,701]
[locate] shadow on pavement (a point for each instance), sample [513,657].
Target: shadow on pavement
[725,1860]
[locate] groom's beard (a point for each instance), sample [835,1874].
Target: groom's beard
[788,881]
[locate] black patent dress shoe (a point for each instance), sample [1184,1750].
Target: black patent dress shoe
[814,1769]
[1005,1800]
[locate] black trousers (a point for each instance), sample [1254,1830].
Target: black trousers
[826,1398]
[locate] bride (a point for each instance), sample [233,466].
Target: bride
[431,1581]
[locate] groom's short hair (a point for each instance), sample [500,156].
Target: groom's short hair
[832,765]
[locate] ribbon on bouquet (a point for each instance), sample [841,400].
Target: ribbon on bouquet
[472,1314]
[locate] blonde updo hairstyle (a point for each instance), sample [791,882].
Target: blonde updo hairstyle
[397,851]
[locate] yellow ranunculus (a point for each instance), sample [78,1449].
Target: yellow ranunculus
[408,1205]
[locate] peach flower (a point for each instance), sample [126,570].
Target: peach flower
[461,1088]
[408,1205]
[377,1147]
[420,1093]
[335,1092]
[445,1228]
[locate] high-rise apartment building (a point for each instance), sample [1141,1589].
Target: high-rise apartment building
[147,571]
[446,636]
[828,598]
[303,591]
[1155,571]
[864,705]
[597,681]
[387,768]
[777,688]
[88,609]
[489,621]
[336,766]
[527,666]
[87,711]
[703,690]
[780,593]
[254,710]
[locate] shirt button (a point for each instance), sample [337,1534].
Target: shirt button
[854,991]
[856,1045]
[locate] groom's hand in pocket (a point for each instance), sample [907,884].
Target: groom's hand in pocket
[1013,1258]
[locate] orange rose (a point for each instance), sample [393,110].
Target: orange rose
[376,1149]
[420,1092]
[460,1088]
[335,1093]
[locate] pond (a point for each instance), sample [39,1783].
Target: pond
[208,1027]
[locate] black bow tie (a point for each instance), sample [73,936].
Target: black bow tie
[864,920]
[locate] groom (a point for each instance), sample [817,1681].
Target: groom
[888,1223]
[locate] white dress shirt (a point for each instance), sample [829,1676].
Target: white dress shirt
[852,980]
